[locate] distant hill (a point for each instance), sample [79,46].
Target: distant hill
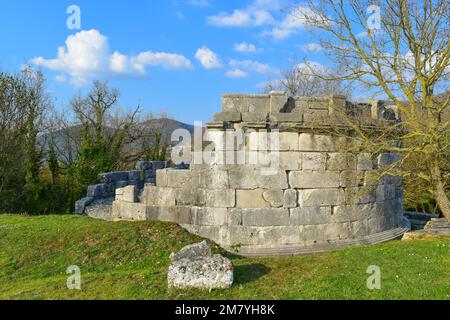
[66,139]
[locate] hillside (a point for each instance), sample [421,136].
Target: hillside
[66,139]
[129,260]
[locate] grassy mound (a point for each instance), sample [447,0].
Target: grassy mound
[129,260]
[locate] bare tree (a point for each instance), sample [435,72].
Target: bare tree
[298,80]
[400,48]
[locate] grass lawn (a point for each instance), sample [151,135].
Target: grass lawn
[129,260]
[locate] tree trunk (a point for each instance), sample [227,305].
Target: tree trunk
[439,191]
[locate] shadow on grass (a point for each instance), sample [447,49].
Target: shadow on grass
[250,272]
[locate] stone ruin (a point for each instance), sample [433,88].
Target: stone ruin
[99,197]
[320,195]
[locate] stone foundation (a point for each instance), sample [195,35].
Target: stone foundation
[320,195]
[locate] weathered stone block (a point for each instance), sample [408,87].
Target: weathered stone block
[228,116]
[316,117]
[211,178]
[278,102]
[231,104]
[289,161]
[310,216]
[222,198]
[358,212]
[234,217]
[372,178]
[257,178]
[286,117]
[202,249]
[351,178]
[180,215]
[254,117]
[360,195]
[81,205]
[391,180]
[314,161]
[314,179]
[358,229]
[209,216]
[251,199]
[339,162]
[100,209]
[127,194]
[340,231]
[313,234]
[275,197]
[129,211]
[265,217]
[288,141]
[388,159]
[364,162]
[166,197]
[378,224]
[195,267]
[187,195]
[178,178]
[282,235]
[321,197]
[161,178]
[246,103]
[245,235]
[290,198]
[150,196]
[316,142]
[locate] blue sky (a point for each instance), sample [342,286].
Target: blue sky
[176,56]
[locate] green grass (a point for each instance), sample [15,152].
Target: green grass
[129,260]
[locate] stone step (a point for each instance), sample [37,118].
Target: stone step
[420,216]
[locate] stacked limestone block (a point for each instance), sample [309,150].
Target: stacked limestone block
[318,196]
[145,173]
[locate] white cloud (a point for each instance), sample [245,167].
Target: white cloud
[87,55]
[265,13]
[238,18]
[258,13]
[250,65]
[208,58]
[291,24]
[245,47]
[237,74]
[312,47]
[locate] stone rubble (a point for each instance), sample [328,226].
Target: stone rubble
[196,267]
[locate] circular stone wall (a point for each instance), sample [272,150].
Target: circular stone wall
[311,195]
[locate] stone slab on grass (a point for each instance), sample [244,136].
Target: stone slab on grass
[195,267]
